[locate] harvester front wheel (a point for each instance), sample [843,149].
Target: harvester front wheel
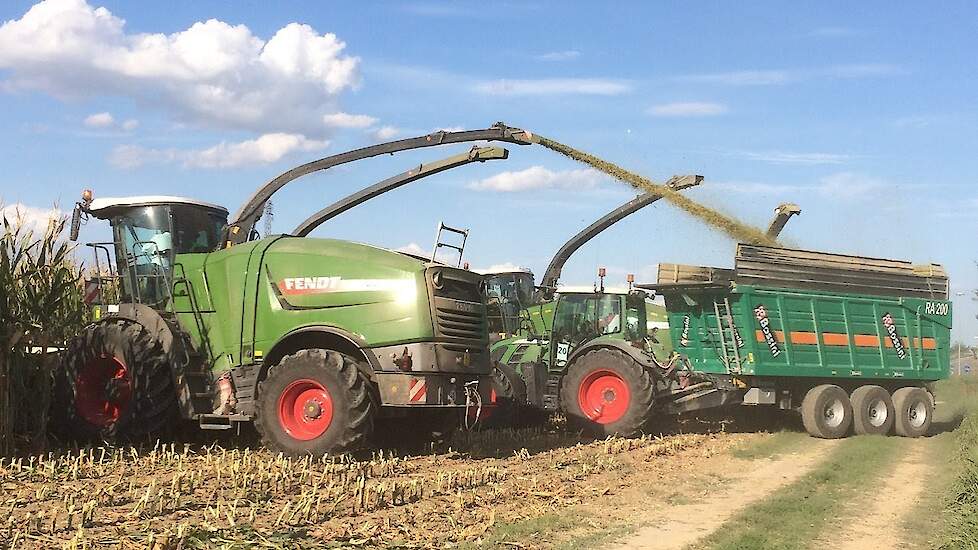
[606,392]
[314,402]
[914,411]
[115,384]
[872,411]
[826,412]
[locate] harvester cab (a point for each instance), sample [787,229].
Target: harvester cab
[314,340]
[147,234]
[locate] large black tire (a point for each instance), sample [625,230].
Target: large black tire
[606,392]
[826,412]
[914,411]
[116,384]
[314,402]
[510,393]
[872,411]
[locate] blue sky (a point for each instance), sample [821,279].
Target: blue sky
[863,114]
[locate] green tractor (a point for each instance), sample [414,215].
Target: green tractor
[586,351]
[313,340]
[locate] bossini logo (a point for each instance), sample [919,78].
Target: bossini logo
[760,312]
[684,337]
[322,285]
[889,324]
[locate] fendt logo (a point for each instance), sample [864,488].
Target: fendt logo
[889,325]
[306,285]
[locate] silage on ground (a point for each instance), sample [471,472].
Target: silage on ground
[736,229]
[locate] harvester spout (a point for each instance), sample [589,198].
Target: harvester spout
[240,230]
[476,154]
[549,281]
[782,214]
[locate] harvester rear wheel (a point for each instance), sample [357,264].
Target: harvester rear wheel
[914,411]
[115,384]
[826,412]
[872,411]
[314,402]
[606,392]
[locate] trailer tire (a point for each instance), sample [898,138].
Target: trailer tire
[826,412]
[314,402]
[115,384]
[914,411]
[872,411]
[606,392]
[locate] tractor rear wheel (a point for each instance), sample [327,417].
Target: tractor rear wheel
[914,411]
[826,412]
[115,384]
[314,402]
[872,411]
[606,392]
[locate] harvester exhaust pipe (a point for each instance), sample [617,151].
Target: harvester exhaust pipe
[782,214]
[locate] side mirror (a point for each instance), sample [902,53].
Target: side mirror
[75,222]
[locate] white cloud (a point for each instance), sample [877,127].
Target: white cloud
[554,86]
[385,133]
[415,249]
[565,55]
[687,109]
[33,217]
[786,76]
[265,149]
[500,268]
[538,177]
[786,157]
[130,125]
[99,120]
[212,73]
[345,120]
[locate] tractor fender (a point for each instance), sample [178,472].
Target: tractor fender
[637,354]
[350,343]
[165,334]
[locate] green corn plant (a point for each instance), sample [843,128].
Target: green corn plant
[40,307]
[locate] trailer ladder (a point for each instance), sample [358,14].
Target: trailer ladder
[460,248]
[730,354]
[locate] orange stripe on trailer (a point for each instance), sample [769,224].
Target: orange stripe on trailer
[778,335]
[842,339]
[835,339]
[798,337]
[866,340]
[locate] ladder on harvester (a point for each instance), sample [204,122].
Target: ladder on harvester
[728,336]
[459,247]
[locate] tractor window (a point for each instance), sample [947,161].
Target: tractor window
[197,229]
[144,252]
[581,317]
[507,295]
[635,318]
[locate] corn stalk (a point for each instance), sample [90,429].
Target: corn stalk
[40,307]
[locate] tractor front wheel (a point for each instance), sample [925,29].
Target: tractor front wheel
[314,402]
[115,384]
[606,392]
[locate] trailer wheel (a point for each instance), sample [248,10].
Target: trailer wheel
[115,384]
[314,402]
[872,411]
[914,411]
[606,392]
[826,412]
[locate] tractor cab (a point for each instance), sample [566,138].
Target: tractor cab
[508,294]
[584,315]
[147,233]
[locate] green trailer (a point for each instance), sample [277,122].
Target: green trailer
[851,341]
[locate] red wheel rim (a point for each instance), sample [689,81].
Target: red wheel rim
[603,397]
[305,409]
[102,390]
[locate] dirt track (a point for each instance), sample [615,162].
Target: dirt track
[750,480]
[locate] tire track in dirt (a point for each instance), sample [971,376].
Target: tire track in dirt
[684,524]
[875,520]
